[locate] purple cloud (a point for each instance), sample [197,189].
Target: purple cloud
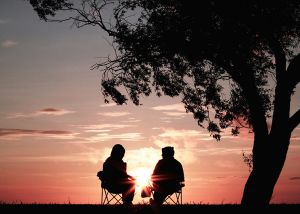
[45,111]
[16,133]
[294,178]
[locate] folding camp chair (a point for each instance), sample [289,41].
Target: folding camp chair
[107,196]
[173,198]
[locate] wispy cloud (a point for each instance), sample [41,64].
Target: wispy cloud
[174,133]
[107,131]
[173,107]
[9,44]
[130,136]
[295,178]
[45,111]
[174,111]
[220,151]
[108,105]
[88,156]
[104,127]
[131,120]
[176,114]
[166,119]
[14,134]
[114,114]
[295,138]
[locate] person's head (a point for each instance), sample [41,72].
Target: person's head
[117,152]
[168,152]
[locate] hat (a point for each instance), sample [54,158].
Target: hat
[168,151]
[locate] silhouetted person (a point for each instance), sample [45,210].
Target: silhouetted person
[115,175]
[167,176]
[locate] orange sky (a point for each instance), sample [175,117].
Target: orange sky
[56,131]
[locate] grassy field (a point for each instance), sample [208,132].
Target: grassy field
[147,209]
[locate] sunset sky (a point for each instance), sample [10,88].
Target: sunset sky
[56,130]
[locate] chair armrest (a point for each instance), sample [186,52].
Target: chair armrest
[100,175]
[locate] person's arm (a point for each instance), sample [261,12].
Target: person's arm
[181,173]
[154,176]
[126,175]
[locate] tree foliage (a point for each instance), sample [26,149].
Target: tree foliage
[213,54]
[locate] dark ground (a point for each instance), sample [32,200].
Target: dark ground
[147,209]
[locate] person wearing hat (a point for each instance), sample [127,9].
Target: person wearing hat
[167,176]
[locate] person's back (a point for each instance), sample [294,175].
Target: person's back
[116,178]
[167,176]
[115,172]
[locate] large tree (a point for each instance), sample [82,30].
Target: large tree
[233,63]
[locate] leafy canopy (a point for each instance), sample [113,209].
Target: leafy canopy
[214,54]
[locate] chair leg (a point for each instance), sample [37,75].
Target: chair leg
[102,202]
[114,198]
[110,198]
[106,199]
[181,197]
[174,198]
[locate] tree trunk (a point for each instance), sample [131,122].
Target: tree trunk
[258,190]
[267,167]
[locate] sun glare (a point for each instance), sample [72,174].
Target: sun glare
[142,176]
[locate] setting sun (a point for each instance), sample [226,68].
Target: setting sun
[142,176]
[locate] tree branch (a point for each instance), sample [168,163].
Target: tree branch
[294,121]
[280,59]
[294,72]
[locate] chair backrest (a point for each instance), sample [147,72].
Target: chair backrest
[103,179]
